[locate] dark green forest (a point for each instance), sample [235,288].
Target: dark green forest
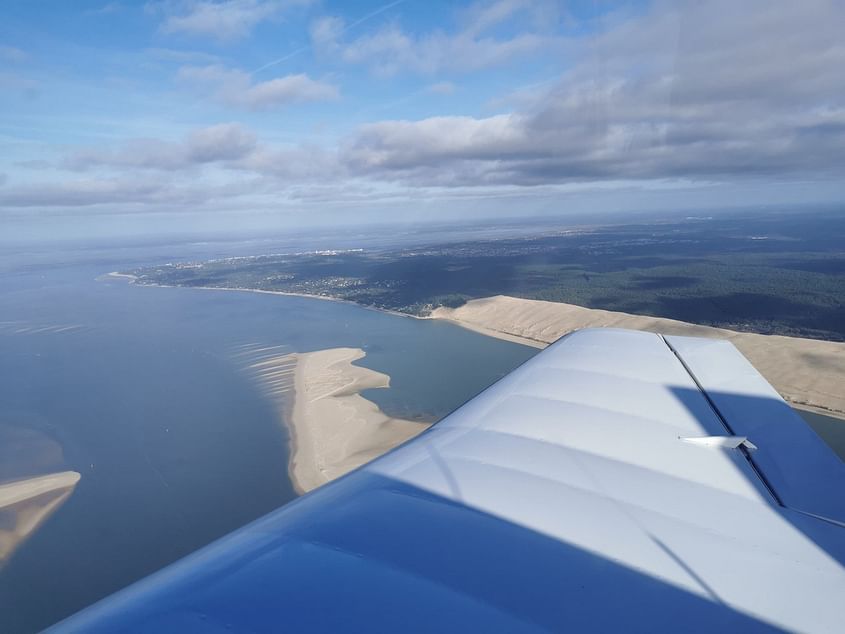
[780,273]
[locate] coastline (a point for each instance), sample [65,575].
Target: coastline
[333,428]
[132,280]
[488,331]
[807,373]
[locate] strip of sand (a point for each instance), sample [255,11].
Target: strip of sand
[25,504]
[334,428]
[806,372]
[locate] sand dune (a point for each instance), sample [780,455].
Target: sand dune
[806,372]
[334,428]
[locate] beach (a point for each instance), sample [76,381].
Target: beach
[806,372]
[334,429]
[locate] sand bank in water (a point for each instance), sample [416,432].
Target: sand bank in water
[25,504]
[334,428]
[806,372]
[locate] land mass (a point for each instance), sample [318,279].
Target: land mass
[779,274]
[773,284]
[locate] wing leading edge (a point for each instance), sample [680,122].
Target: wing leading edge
[565,496]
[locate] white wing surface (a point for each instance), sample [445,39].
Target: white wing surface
[618,481]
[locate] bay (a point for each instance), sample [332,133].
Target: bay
[147,393]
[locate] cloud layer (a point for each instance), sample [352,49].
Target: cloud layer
[707,90]
[224,142]
[474,45]
[689,91]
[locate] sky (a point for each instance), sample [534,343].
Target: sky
[168,115]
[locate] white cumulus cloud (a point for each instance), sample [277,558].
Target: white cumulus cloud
[222,20]
[224,142]
[237,89]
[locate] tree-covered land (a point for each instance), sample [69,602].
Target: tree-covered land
[776,273]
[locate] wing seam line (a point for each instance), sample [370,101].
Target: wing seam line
[727,426]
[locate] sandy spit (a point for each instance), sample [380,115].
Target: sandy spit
[334,428]
[806,372]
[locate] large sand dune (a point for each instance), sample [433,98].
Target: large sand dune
[806,372]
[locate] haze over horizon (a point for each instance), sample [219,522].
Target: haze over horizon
[185,114]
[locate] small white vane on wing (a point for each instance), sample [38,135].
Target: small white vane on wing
[726,442]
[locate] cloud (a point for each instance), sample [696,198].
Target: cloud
[442,88]
[693,90]
[686,93]
[226,147]
[291,164]
[12,54]
[475,45]
[125,193]
[80,193]
[236,88]
[325,33]
[390,51]
[225,20]
[221,143]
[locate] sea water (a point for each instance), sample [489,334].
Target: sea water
[147,393]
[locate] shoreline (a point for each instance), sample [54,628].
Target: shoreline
[537,323]
[132,280]
[490,332]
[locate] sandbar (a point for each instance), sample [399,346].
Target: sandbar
[334,429]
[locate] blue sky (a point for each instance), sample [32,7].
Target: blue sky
[201,113]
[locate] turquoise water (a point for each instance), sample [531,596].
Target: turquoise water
[144,392]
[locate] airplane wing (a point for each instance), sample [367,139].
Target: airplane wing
[618,481]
